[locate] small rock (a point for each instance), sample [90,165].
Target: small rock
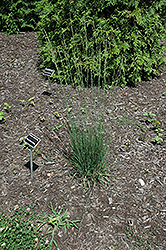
[47,242]
[16,207]
[164,180]
[130,222]
[141,182]
[110,200]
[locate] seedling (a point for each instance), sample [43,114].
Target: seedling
[164,93]
[7,107]
[31,100]
[2,119]
[147,170]
[14,172]
[69,110]
[158,139]
[22,141]
[22,102]
[22,64]
[57,114]
[42,118]
[56,220]
[158,124]
[150,115]
[51,101]
[57,127]
[83,110]
[127,142]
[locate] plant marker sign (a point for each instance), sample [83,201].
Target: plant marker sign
[49,73]
[32,141]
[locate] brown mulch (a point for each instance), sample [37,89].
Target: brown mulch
[110,210]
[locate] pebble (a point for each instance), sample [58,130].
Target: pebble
[141,182]
[16,207]
[47,242]
[110,200]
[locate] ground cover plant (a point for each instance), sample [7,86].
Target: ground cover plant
[18,230]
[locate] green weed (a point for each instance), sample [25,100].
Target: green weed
[42,118]
[7,107]
[2,119]
[156,126]
[22,102]
[31,100]
[57,220]
[57,126]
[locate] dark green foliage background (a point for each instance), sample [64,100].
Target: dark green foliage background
[18,15]
[123,35]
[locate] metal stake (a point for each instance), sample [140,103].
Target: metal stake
[49,73]
[31,163]
[50,87]
[32,141]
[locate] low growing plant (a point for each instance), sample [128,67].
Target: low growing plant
[56,220]
[31,100]
[156,126]
[42,118]
[57,126]
[18,230]
[2,119]
[7,107]
[150,116]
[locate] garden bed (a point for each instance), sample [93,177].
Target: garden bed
[136,196]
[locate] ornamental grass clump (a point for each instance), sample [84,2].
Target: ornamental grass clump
[88,144]
[88,153]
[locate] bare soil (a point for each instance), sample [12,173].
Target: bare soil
[127,201]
